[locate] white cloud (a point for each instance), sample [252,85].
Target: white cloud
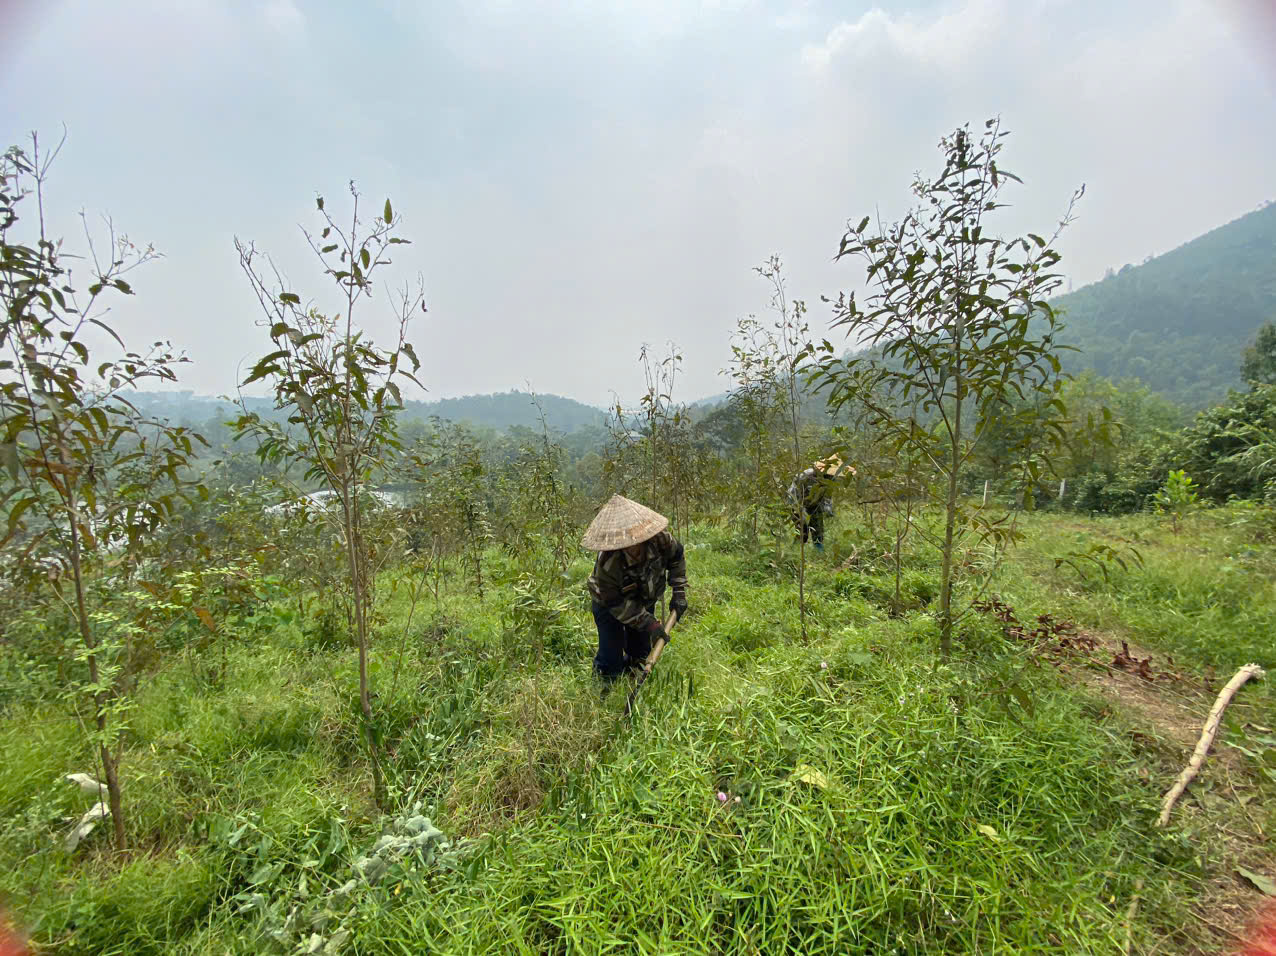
[284,16]
[960,35]
[579,177]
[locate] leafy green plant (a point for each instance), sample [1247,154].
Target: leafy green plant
[88,477]
[539,513]
[1258,361]
[758,400]
[340,392]
[788,353]
[538,620]
[1100,557]
[452,470]
[1178,497]
[1228,449]
[297,908]
[669,448]
[961,336]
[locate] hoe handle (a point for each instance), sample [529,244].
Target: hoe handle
[656,650]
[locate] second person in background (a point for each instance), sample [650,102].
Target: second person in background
[811,497]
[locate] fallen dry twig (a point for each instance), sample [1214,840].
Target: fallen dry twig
[1208,733]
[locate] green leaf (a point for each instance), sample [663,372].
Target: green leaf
[389,213]
[56,410]
[808,774]
[9,458]
[289,298]
[265,873]
[363,254]
[16,512]
[1022,697]
[989,832]
[1262,883]
[123,287]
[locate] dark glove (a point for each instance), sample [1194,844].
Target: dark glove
[679,605]
[656,631]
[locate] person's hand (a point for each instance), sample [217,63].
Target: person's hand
[679,605]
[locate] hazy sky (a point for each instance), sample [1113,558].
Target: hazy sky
[582,177]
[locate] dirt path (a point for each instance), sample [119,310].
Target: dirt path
[1165,709]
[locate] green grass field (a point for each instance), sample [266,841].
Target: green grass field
[877,799]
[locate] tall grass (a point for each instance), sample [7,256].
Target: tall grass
[875,801]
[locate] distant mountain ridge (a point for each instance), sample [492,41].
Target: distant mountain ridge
[503,410]
[500,410]
[1179,321]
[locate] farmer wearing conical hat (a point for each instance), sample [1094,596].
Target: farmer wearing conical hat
[811,498]
[636,557]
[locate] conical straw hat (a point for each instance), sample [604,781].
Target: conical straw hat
[621,524]
[830,466]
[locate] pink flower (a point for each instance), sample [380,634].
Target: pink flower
[722,797]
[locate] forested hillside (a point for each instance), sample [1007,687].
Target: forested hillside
[1179,321]
[502,410]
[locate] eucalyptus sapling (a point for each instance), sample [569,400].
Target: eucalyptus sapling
[341,393]
[960,337]
[87,477]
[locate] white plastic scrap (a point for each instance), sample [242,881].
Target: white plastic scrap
[85,783]
[98,811]
[86,825]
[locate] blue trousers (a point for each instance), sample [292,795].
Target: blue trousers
[620,648]
[811,523]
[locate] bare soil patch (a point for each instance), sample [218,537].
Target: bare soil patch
[1220,811]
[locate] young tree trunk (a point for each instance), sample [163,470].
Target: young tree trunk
[899,536]
[903,530]
[100,697]
[757,486]
[950,510]
[476,552]
[946,573]
[358,575]
[797,457]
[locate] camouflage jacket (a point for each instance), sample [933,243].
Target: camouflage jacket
[627,588]
[812,490]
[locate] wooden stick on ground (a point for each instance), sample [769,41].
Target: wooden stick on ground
[1208,733]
